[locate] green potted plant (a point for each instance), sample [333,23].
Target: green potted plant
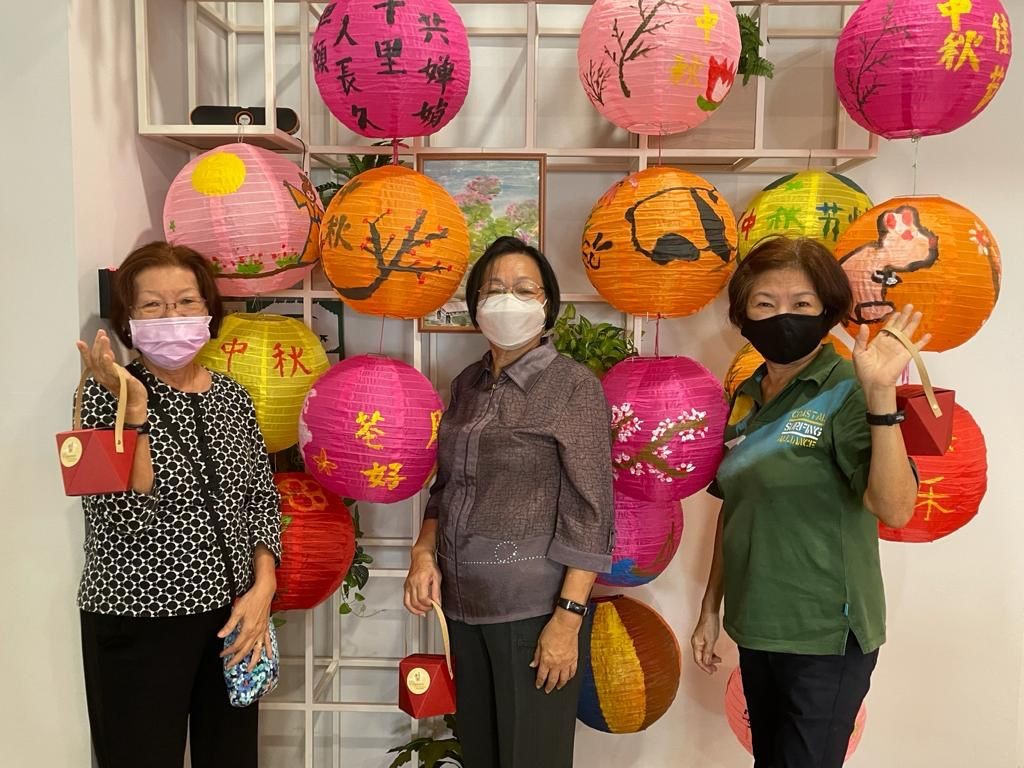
[352,598]
[598,346]
[432,752]
[751,63]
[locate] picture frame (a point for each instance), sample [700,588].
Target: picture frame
[500,194]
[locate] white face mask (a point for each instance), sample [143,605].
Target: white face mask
[509,322]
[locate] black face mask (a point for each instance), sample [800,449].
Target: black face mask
[785,338]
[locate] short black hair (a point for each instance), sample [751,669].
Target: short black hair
[501,247]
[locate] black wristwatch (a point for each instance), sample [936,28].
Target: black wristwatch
[142,429]
[886,419]
[572,606]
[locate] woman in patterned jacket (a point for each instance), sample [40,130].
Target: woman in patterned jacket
[187,554]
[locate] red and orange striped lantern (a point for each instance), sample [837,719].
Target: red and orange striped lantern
[647,536]
[394,243]
[661,241]
[251,212]
[925,251]
[631,668]
[668,420]
[739,719]
[368,429]
[748,360]
[318,543]
[951,486]
[277,359]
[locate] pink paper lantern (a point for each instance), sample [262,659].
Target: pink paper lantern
[647,536]
[368,429]
[668,420]
[660,66]
[392,68]
[251,212]
[921,67]
[739,719]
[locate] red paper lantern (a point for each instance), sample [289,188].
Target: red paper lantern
[318,543]
[951,486]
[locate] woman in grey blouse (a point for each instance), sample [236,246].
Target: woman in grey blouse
[519,521]
[188,553]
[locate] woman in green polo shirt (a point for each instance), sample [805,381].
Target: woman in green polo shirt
[814,460]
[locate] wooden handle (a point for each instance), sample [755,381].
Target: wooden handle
[444,636]
[122,406]
[926,381]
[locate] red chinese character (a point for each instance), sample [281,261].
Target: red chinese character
[232,348]
[294,355]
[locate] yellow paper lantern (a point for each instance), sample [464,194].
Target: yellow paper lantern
[660,242]
[394,243]
[815,204]
[277,359]
[748,360]
[925,251]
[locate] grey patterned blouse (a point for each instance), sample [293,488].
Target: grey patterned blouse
[156,554]
[523,487]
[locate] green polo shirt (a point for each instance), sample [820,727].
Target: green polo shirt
[800,549]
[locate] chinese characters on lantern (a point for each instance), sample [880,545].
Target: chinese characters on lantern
[968,46]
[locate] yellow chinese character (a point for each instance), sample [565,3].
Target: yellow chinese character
[685,71]
[930,499]
[384,475]
[962,46]
[324,464]
[707,22]
[995,80]
[368,431]
[1001,25]
[952,9]
[435,424]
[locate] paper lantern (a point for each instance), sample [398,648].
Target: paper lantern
[368,429]
[391,68]
[630,672]
[277,359]
[251,212]
[815,204]
[647,536]
[748,360]
[658,67]
[739,719]
[921,67]
[951,486]
[660,241]
[318,543]
[394,243]
[926,251]
[668,419]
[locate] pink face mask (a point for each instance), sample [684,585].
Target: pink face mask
[170,342]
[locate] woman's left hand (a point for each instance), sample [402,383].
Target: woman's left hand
[252,613]
[557,651]
[879,363]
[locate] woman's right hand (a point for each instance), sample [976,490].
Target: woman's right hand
[703,641]
[423,583]
[99,359]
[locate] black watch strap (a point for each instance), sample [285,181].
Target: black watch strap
[886,419]
[142,429]
[572,606]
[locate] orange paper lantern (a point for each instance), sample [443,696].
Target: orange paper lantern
[748,360]
[394,243]
[925,251]
[951,486]
[661,241]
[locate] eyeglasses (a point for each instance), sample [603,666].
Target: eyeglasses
[523,290]
[190,305]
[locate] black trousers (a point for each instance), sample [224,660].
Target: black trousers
[503,720]
[149,682]
[802,708]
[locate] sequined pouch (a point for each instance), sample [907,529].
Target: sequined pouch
[245,687]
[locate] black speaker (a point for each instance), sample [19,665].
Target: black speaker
[205,114]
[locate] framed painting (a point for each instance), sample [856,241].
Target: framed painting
[499,194]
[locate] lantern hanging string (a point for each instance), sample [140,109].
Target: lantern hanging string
[306,158]
[395,144]
[380,346]
[657,335]
[660,141]
[809,159]
[916,141]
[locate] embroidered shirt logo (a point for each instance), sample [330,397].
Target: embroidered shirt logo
[803,428]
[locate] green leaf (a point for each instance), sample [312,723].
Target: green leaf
[344,609]
[359,598]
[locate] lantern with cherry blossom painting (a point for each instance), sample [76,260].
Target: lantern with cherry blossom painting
[668,420]
[910,68]
[739,719]
[391,68]
[251,212]
[368,429]
[951,486]
[656,67]
[318,543]
[647,536]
